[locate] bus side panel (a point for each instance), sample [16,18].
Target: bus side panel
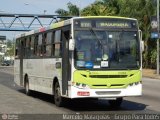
[29,71]
[33,68]
[17,71]
[41,73]
[51,72]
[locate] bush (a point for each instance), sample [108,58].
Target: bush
[153,58]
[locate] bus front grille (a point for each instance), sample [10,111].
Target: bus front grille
[108,76]
[110,85]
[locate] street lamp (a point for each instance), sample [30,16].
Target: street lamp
[44,11]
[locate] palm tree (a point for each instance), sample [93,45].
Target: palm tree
[73,10]
[101,7]
[95,9]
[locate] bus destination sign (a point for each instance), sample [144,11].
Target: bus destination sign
[86,24]
[113,24]
[119,24]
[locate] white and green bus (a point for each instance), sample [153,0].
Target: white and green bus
[82,57]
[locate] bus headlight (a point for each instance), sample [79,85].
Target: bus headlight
[135,83]
[131,84]
[84,85]
[80,85]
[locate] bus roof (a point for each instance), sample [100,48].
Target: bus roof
[66,22]
[117,17]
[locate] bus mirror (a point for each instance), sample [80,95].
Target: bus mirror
[140,35]
[71,44]
[142,42]
[142,46]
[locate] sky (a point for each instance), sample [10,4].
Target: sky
[36,7]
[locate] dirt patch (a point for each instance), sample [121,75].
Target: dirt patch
[150,73]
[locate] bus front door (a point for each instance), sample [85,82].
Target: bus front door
[66,67]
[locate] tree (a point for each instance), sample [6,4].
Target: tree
[10,48]
[112,6]
[95,9]
[73,10]
[150,45]
[101,8]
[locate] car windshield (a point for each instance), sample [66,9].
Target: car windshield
[96,49]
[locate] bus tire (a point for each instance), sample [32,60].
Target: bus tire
[26,86]
[116,103]
[58,100]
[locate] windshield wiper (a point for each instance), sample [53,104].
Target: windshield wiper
[100,42]
[92,31]
[117,51]
[118,47]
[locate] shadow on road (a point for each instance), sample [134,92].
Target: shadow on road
[102,105]
[82,105]
[76,104]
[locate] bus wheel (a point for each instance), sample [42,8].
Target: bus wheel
[116,103]
[26,85]
[57,95]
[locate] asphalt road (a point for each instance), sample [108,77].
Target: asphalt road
[14,101]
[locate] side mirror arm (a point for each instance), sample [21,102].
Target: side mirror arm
[71,44]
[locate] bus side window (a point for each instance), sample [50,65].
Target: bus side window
[57,44]
[39,45]
[35,45]
[28,47]
[17,49]
[16,53]
[23,45]
[47,44]
[53,44]
[32,46]
[44,41]
[67,34]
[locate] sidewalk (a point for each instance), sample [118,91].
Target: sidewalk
[7,69]
[151,73]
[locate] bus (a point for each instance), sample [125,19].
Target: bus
[82,57]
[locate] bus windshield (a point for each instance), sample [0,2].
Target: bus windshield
[104,49]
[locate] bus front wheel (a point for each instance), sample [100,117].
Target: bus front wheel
[57,95]
[116,103]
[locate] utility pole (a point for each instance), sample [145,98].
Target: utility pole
[158,37]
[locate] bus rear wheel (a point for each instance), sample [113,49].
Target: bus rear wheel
[26,85]
[57,95]
[116,103]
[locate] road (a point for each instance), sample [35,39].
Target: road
[14,101]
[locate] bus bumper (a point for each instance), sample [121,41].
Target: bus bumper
[134,90]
